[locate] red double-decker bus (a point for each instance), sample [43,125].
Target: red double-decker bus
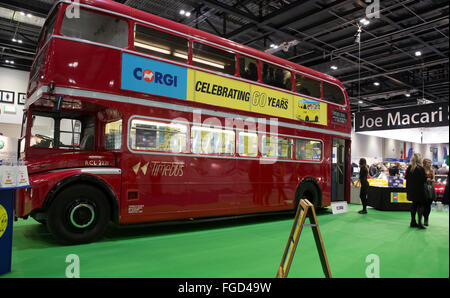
[133,118]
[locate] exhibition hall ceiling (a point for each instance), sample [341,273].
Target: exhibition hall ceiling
[402,57]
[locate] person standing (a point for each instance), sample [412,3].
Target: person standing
[415,179]
[363,175]
[445,199]
[395,170]
[430,179]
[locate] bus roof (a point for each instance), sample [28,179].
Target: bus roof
[119,8]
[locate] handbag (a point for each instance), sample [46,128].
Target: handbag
[430,192]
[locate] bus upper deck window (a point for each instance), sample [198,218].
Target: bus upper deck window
[161,44]
[214,58]
[97,27]
[248,68]
[307,86]
[276,76]
[333,93]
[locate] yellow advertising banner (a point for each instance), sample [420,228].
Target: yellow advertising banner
[225,92]
[219,91]
[399,197]
[310,110]
[271,102]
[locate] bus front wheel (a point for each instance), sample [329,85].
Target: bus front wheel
[79,214]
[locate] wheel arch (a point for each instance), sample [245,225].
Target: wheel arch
[303,185]
[85,179]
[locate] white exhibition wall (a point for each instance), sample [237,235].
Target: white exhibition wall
[15,81]
[425,135]
[375,148]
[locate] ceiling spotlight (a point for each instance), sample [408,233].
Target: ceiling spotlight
[333,67]
[22,13]
[14,40]
[188,14]
[29,15]
[408,95]
[418,53]
[360,101]
[273,46]
[182,12]
[364,21]
[376,84]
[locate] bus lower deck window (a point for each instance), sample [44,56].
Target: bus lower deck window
[248,144]
[215,141]
[42,132]
[113,135]
[97,27]
[277,147]
[155,136]
[308,150]
[70,133]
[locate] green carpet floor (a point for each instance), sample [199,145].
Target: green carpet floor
[250,247]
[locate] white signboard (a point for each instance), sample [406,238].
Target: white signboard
[339,207]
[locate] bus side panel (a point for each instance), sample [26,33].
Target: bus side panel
[42,183]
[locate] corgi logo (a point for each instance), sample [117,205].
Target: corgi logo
[156,77]
[148,75]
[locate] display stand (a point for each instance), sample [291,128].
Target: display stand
[6,226]
[305,209]
[388,198]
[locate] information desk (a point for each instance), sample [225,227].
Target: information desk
[388,198]
[6,226]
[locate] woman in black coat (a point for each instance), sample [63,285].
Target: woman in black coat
[363,175]
[415,179]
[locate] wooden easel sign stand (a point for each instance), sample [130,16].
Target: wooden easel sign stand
[305,209]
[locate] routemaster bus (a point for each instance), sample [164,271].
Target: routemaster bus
[132,118]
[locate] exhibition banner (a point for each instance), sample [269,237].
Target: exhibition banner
[429,115]
[165,79]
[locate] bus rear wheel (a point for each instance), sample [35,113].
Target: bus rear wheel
[79,214]
[307,191]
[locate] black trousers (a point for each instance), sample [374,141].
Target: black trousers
[363,195]
[426,211]
[427,206]
[419,208]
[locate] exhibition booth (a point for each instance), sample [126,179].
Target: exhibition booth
[387,139]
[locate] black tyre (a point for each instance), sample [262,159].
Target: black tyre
[79,214]
[307,191]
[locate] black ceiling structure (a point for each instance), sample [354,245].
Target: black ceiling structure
[381,71]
